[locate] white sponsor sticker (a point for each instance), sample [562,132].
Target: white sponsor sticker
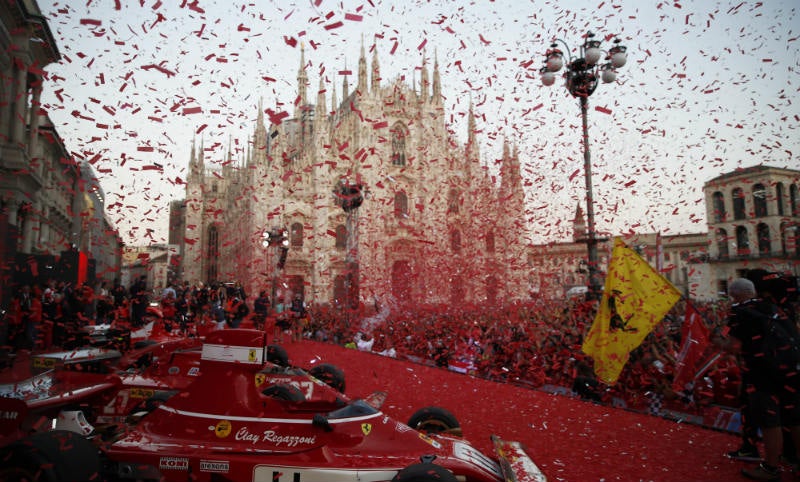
[220,466]
[173,463]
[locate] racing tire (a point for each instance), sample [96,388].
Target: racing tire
[286,392]
[55,456]
[424,472]
[277,354]
[435,420]
[330,375]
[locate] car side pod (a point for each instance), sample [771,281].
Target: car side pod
[515,463]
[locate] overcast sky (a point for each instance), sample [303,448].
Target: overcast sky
[708,88]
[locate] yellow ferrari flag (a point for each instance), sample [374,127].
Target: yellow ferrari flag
[635,299]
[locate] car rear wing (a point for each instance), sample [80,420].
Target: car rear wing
[515,463]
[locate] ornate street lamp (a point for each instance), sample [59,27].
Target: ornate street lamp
[276,238]
[582,75]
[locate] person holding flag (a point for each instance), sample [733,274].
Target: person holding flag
[635,299]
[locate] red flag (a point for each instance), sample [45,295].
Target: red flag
[694,334]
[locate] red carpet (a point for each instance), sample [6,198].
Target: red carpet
[569,439]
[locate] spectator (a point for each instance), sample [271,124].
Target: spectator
[261,310]
[139,300]
[773,398]
[298,317]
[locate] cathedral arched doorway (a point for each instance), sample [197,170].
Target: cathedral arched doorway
[401,281]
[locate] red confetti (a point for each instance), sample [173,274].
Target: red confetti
[353,17]
[192,110]
[603,110]
[333,25]
[91,21]
[380,125]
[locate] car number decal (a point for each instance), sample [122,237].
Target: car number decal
[264,473]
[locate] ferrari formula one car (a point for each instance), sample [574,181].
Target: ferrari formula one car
[230,424]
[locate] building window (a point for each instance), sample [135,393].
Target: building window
[399,134]
[296,235]
[453,201]
[738,204]
[718,204]
[212,254]
[722,243]
[455,240]
[400,205]
[779,195]
[794,200]
[341,237]
[759,200]
[785,234]
[742,241]
[764,241]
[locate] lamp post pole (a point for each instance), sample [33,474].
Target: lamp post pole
[276,238]
[350,197]
[582,75]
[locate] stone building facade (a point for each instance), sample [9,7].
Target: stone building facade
[52,214]
[753,217]
[753,222]
[434,225]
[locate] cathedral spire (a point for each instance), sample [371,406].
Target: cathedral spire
[320,109]
[376,71]
[437,85]
[302,81]
[345,86]
[423,87]
[471,124]
[362,70]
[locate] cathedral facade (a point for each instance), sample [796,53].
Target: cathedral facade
[371,197]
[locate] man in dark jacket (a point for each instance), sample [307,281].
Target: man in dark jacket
[772,395]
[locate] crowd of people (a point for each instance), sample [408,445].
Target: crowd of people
[536,344]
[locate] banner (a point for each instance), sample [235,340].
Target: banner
[635,299]
[694,342]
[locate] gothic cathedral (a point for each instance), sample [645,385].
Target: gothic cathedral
[369,200]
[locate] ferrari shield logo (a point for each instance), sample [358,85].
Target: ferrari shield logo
[260,377]
[366,428]
[251,355]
